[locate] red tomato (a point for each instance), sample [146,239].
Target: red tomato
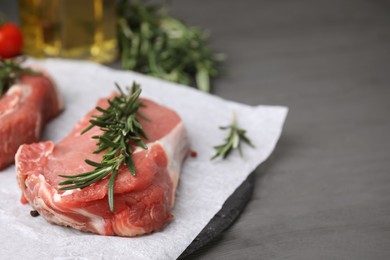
[11,40]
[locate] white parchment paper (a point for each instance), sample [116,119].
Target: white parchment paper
[204,184]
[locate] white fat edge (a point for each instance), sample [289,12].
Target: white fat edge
[68,192]
[173,144]
[54,217]
[127,230]
[58,197]
[39,204]
[131,231]
[24,89]
[96,221]
[45,191]
[17,164]
[17,167]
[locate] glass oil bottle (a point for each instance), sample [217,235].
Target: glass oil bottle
[76,29]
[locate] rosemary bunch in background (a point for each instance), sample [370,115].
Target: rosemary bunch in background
[154,43]
[119,125]
[10,71]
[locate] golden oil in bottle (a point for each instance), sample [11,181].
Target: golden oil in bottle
[79,29]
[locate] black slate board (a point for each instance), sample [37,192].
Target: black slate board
[230,211]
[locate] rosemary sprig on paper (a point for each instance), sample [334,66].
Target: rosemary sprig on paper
[119,125]
[232,141]
[154,43]
[10,71]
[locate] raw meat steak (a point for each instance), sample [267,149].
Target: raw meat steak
[24,110]
[142,203]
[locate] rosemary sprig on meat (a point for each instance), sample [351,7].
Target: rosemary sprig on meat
[232,141]
[154,43]
[121,130]
[10,71]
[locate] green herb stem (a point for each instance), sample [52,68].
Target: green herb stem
[119,125]
[10,72]
[232,141]
[154,43]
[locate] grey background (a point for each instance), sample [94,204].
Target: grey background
[325,192]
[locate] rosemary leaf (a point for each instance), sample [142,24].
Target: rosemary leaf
[119,125]
[154,43]
[10,71]
[111,190]
[232,141]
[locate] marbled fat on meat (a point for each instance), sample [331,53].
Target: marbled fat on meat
[24,110]
[142,202]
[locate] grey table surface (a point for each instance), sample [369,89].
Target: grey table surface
[325,191]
